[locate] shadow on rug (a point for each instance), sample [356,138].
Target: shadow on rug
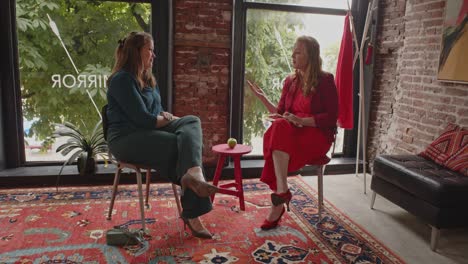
[42,226]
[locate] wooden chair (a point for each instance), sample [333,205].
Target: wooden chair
[137,168]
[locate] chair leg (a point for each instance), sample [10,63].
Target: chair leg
[148,180]
[320,191]
[140,198]
[374,194]
[114,191]
[177,199]
[435,234]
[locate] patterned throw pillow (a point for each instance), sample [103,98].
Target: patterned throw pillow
[450,149]
[459,161]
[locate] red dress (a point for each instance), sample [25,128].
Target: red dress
[303,144]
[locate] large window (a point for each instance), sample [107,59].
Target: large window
[269,33]
[341,4]
[65,52]
[65,55]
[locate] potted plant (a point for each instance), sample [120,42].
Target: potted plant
[86,146]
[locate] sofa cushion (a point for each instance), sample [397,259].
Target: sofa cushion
[450,149]
[424,179]
[459,161]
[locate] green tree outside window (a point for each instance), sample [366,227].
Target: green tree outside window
[90,31]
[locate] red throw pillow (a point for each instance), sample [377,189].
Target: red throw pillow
[459,162]
[450,149]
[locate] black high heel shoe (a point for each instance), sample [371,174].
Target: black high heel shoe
[200,187]
[280,198]
[197,233]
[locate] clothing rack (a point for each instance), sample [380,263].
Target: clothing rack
[359,54]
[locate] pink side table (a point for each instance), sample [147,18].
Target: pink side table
[236,153]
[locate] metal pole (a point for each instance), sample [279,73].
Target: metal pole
[361,122]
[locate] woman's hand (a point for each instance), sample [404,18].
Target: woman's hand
[256,89]
[273,117]
[167,116]
[164,119]
[293,119]
[258,92]
[161,121]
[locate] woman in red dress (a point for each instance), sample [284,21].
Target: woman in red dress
[304,123]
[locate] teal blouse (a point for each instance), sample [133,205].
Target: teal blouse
[130,108]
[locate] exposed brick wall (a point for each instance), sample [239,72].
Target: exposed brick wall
[409,106]
[202,56]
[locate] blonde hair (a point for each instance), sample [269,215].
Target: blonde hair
[128,58]
[310,77]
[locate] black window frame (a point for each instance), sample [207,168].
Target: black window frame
[12,152]
[238,61]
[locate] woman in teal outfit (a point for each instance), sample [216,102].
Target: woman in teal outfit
[140,131]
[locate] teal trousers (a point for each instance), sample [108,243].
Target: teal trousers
[171,150]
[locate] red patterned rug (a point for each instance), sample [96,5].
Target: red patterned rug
[42,226]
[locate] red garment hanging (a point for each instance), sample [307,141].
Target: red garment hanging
[344,78]
[463,12]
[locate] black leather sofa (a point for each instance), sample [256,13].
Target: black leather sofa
[431,192]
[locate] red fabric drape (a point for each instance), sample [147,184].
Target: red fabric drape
[463,12]
[344,78]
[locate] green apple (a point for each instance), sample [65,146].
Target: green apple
[232,142]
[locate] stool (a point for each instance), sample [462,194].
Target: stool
[137,169]
[236,153]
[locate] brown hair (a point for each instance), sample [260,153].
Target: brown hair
[310,78]
[127,57]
